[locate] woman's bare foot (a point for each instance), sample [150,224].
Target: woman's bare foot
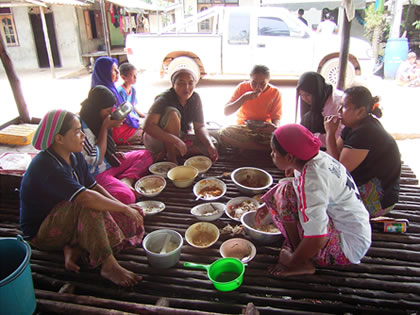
[71,256]
[113,271]
[295,270]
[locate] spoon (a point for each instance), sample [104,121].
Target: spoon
[165,244]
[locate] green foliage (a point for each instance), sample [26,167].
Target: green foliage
[374,20]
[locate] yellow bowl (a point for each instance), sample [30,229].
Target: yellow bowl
[202,234]
[183,176]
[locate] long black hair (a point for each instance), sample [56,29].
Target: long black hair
[311,114]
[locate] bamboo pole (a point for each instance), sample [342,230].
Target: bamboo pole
[14,83]
[105,26]
[47,42]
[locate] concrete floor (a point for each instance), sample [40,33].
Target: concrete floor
[400,105]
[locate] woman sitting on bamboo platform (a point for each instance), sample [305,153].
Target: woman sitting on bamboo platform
[318,211]
[63,208]
[115,171]
[368,152]
[317,99]
[105,72]
[168,126]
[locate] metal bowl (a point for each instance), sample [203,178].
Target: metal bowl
[161,168]
[248,204]
[200,162]
[251,181]
[209,211]
[153,245]
[151,185]
[248,221]
[205,187]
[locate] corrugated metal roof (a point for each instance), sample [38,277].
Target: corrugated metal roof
[138,5]
[65,2]
[17,3]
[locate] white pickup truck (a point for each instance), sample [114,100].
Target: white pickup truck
[237,38]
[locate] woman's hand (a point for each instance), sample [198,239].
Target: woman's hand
[262,212]
[138,208]
[134,214]
[180,146]
[250,95]
[120,155]
[214,154]
[331,123]
[110,123]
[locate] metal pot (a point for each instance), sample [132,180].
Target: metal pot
[122,111]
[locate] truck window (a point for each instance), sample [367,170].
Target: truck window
[271,26]
[239,28]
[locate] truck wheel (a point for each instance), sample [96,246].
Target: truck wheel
[330,72]
[184,62]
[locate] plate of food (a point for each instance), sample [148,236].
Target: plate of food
[209,189]
[238,206]
[200,162]
[161,168]
[151,207]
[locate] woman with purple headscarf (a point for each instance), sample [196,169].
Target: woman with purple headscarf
[105,72]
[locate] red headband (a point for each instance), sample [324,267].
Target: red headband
[298,141]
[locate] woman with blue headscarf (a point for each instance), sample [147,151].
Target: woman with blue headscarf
[105,72]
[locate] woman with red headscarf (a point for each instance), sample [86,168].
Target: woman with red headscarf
[318,211]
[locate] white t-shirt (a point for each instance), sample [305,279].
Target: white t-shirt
[325,191]
[327,27]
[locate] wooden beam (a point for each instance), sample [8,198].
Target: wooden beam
[47,42]
[105,26]
[14,83]
[344,50]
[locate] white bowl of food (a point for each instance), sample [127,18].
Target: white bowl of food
[266,233]
[151,185]
[209,189]
[161,168]
[183,176]
[200,162]
[251,181]
[151,207]
[239,248]
[238,206]
[209,211]
[202,234]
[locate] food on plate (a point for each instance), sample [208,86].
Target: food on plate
[152,208]
[150,190]
[268,228]
[210,192]
[237,250]
[249,181]
[236,211]
[229,229]
[162,168]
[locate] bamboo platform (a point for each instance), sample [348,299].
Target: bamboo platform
[386,282]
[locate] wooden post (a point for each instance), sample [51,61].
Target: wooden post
[47,42]
[344,51]
[14,83]
[106,31]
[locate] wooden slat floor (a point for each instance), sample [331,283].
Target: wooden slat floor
[386,282]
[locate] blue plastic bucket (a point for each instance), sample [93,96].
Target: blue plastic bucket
[17,294]
[396,52]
